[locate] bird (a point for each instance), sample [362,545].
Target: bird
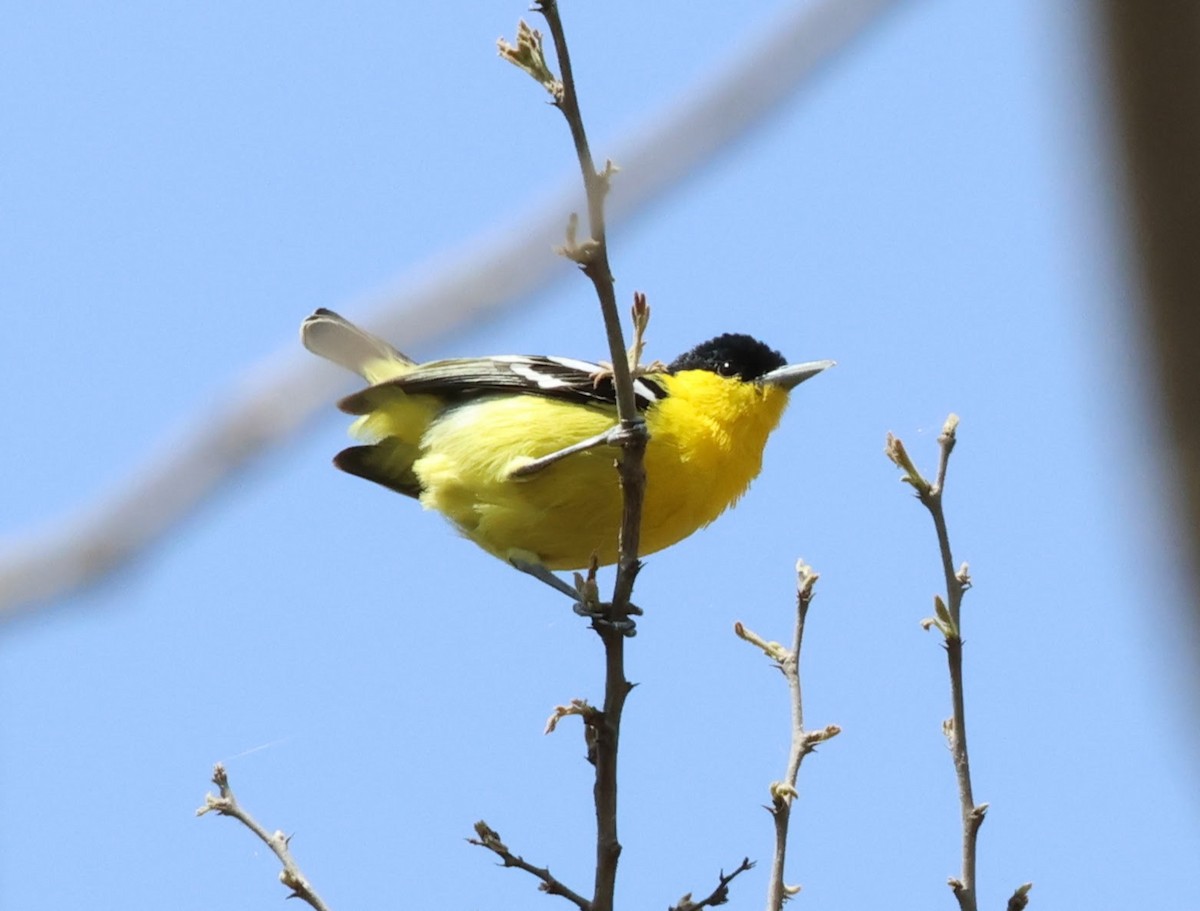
[509,448]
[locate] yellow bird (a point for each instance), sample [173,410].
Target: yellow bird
[482,440]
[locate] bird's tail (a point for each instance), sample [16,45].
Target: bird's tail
[335,338]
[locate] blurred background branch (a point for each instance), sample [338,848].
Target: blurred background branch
[1154,66]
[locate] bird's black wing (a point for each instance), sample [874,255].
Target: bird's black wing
[461,379]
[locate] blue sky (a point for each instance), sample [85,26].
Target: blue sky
[935,210]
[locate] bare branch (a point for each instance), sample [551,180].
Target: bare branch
[489,838]
[948,620]
[803,742]
[225,803]
[719,895]
[603,728]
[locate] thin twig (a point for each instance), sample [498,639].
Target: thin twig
[225,803]
[489,838]
[719,895]
[604,730]
[781,796]
[592,256]
[948,620]
[802,742]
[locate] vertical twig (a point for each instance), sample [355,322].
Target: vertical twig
[783,792]
[957,583]
[592,257]
[802,742]
[948,620]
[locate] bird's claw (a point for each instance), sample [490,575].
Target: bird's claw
[599,613]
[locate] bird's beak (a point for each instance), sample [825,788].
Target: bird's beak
[790,376]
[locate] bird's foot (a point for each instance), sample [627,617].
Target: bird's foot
[585,595]
[600,613]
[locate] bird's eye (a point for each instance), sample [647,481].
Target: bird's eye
[726,369]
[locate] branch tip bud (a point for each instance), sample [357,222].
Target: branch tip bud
[894,450]
[528,55]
